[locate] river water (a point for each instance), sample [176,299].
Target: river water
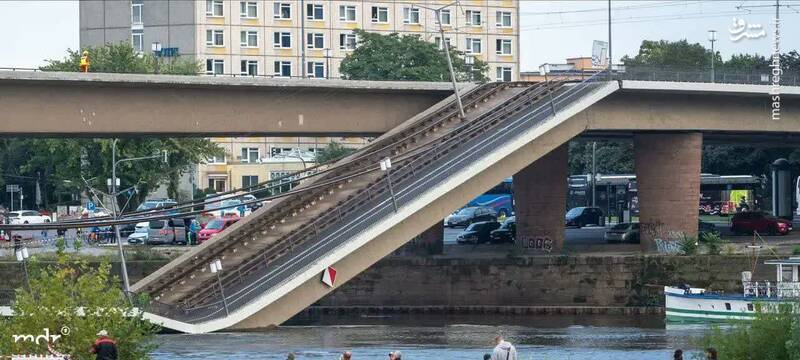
[443,337]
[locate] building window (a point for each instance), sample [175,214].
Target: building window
[215,38]
[347,13]
[249,38]
[314,12]
[249,180]
[273,151]
[315,40]
[137,41]
[444,16]
[438,41]
[216,160]
[283,179]
[473,46]
[410,15]
[347,41]
[249,67]
[473,17]
[503,47]
[215,66]
[215,8]
[380,14]
[250,155]
[136,13]
[283,68]
[282,40]
[503,19]
[248,9]
[315,69]
[503,73]
[282,11]
[216,184]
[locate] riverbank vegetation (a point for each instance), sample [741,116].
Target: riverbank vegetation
[773,335]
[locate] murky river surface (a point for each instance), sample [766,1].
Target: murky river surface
[443,337]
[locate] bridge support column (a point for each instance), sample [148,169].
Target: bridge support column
[540,199]
[430,242]
[668,180]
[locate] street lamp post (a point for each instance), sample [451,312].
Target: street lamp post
[22,257]
[543,70]
[386,165]
[712,37]
[114,183]
[446,47]
[470,61]
[594,173]
[328,53]
[216,268]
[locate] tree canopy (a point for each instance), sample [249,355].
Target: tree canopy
[62,164]
[333,151]
[407,58]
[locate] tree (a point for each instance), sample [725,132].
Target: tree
[62,164]
[56,294]
[333,151]
[672,54]
[121,58]
[407,58]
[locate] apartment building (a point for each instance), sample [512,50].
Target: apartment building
[294,38]
[250,160]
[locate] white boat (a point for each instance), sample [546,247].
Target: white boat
[696,304]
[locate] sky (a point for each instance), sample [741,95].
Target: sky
[551,31]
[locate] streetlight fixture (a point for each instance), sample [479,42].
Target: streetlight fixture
[712,37]
[544,69]
[328,55]
[216,268]
[386,165]
[22,256]
[114,183]
[446,46]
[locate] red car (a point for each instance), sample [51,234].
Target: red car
[215,226]
[749,222]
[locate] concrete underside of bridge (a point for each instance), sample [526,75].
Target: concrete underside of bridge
[99,105]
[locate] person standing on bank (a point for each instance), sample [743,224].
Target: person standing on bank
[503,350]
[104,347]
[711,354]
[678,355]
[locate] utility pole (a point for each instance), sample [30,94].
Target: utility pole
[594,174]
[303,66]
[446,47]
[610,58]
[712,37]
[125,281]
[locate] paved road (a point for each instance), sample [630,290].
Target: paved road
[583,236]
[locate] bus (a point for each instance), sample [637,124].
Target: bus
[500,198]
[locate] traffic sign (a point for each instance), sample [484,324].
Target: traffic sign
[12,188]
[91,206]
[329,276]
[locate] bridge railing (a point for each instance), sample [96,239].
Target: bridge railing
[410,180]
[725,76]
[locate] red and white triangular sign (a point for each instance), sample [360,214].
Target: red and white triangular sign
[329,276]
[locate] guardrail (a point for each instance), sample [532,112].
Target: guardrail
[704,76]
[360,212]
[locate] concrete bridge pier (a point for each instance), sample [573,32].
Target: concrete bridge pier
[668,178]
[540,198]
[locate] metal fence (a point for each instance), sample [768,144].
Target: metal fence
[704,76]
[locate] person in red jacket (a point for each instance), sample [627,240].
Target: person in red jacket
[104,347]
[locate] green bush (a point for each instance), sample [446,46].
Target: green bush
[796,250]
[688,245]
[774,334]
[75,300]
[714,243]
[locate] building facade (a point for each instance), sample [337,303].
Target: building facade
[251,160]
[297,38]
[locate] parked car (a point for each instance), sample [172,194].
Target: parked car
[27,217]
[154,204]
[127,229]
[253,205]
[215,226]
[172,231]
[582,216]
[755,221]
[228,207]
[477,232]
[140,234]
[469,215]
[704,228]
[507,232]
[623,232]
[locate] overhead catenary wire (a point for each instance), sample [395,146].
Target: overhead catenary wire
[634,19]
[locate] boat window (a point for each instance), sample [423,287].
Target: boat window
[786,274]
[727,306]
[749,307]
